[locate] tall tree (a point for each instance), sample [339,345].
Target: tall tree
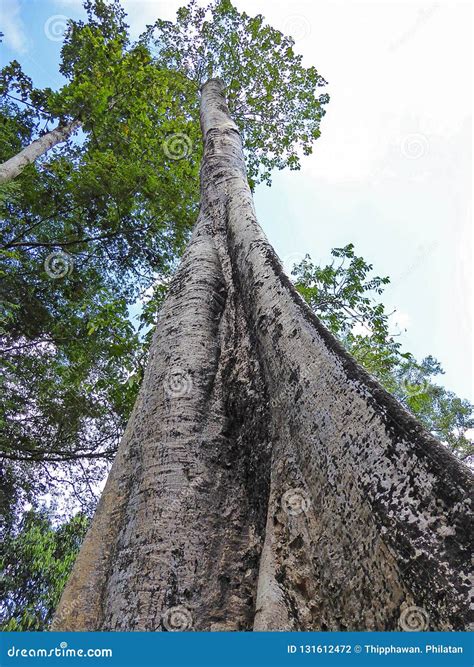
[346,297]
[265,481]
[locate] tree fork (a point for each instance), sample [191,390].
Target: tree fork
[265,481]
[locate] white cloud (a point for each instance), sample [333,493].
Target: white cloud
[12,26]
[144,12]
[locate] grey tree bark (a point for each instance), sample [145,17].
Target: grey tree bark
[11,168]
[265,481]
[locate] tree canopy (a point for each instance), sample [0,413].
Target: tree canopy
[272,97]
[35,564]
[87,230]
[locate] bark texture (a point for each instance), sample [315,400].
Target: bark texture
[265,481]
[11,168]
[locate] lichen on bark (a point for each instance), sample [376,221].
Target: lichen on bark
[265,481]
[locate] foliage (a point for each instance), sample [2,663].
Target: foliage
[96,224]
[86,231]
[112,209]
[36,562]
[115,205]
[271,96]
[344,297]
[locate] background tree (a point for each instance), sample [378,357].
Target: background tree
[346,299]
[87,230]
[35,563]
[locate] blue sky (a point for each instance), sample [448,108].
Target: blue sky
[392,170]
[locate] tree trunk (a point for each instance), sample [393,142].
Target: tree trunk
[265,481]
[15,165]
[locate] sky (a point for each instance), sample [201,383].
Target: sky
[391,172]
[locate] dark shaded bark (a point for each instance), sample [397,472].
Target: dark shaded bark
[265,481]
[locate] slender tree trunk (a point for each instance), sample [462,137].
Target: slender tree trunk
[265,481]
[15,165]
